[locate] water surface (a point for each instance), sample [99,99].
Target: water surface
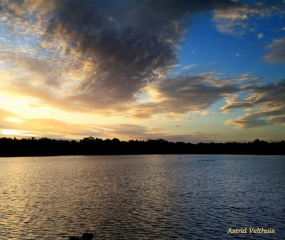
[142,197]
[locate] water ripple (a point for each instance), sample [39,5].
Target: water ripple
[141,197]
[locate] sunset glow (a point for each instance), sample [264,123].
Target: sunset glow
[192,71]
[15,120]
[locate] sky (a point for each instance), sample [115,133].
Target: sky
[179,70]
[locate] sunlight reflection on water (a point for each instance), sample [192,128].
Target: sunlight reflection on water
[141,197]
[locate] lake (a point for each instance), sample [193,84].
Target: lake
[143,197]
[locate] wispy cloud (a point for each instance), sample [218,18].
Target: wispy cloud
[265,105]
[260,35]
[235,21]
[190,66]
[232,22]
[277,51]
[16,126]
[192,93]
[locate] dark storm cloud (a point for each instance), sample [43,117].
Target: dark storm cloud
[128,43]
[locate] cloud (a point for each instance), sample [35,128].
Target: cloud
[52,128]
[5,116]
[278,120]
[99,53]
[235,21]
[190,66]
[133,131]
[277,51]
[26,65]
[248,121]
[235,103]
[137,132]
[191,93]
[11,124]
[260,35]
[265,103]
[14,125]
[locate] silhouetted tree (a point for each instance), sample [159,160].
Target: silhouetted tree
[90,145]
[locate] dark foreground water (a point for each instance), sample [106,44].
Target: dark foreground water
[142,197]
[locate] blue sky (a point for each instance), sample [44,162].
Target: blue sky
[181,70]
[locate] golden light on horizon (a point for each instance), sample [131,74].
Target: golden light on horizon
[15,120]
[14,132]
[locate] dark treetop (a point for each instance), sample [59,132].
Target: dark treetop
[97,146]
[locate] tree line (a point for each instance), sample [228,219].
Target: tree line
[97,146]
